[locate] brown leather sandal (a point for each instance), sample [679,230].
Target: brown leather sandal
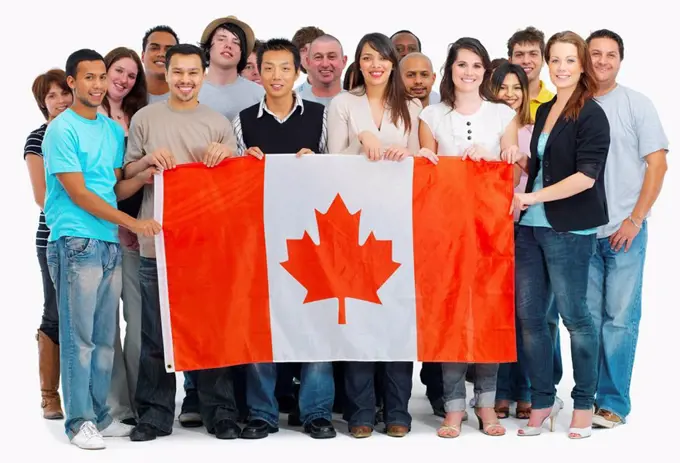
[502,412]
[523,413]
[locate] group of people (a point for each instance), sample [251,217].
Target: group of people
[589,163]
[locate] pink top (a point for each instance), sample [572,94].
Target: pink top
[524,139]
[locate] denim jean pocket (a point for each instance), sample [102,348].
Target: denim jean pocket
[78,247]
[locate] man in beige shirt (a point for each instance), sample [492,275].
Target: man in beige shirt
[165,135]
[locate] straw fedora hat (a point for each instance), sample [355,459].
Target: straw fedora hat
[250,36]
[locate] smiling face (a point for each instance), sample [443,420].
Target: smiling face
[57,100]
[529,57]
[511,91]
[606,59]
[564,65]
[184,77]
[326,62]
[153,55]
[122,76]
[278,73]
[90,83]
[375,68]
[467,71]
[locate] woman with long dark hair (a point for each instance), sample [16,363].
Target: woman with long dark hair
[126,94]
[375,118]
[53,96]
[509,83]
[470,123]
[563,205]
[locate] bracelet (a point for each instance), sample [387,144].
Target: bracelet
[633,221]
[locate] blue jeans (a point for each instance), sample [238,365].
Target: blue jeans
[155,395]
[548,262]
[513,378]
[360,393]
[87,275]
[316,392]
[454,385]
[615,302]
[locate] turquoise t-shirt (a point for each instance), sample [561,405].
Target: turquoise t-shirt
[95,148]
[535,215]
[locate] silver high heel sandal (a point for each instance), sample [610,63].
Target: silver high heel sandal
[535,431]
[581,433]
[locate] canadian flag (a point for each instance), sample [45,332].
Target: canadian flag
[335,257]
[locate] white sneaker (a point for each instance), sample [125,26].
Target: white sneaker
[117,429]
[88,437]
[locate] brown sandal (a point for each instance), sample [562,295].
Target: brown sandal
[502,412]
[523,413]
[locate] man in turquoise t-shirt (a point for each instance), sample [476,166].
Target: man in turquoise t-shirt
[83,153]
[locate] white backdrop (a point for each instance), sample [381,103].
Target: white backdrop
[38,35]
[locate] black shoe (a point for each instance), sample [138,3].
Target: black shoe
[226,429]
[379,416]
[258,429]
[294,419]
[190,416]
[145,432]
[320,428]
[287,404]
[130,421]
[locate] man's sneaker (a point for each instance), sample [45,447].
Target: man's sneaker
[190,416]
[88,437]
[117,429]
[606,419]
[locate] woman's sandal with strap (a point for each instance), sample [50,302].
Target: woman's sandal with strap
[486,427]
[445,430]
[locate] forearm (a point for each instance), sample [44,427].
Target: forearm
[128,187]
[39,198]
[570,186]
[134,168]
[96,206]
[516,174]
[651,188]
[524,163]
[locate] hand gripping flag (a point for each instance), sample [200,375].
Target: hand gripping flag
[335,257]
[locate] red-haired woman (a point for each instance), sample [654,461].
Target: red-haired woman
[53,96]
[563,205]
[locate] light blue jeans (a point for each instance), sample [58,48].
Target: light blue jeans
[615,303]
[87,277]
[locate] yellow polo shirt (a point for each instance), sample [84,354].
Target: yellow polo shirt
[544,95]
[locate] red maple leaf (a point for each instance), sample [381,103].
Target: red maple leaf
[338,266]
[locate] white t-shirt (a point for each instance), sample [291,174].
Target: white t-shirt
[455,132]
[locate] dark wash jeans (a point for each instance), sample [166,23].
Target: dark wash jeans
[360,393]
[50,316]
[545,261]
[155,397]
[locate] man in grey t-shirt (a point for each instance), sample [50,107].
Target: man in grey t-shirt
[634,173]
[228,42]
[325,64]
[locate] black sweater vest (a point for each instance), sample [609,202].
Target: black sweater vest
[272,137]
